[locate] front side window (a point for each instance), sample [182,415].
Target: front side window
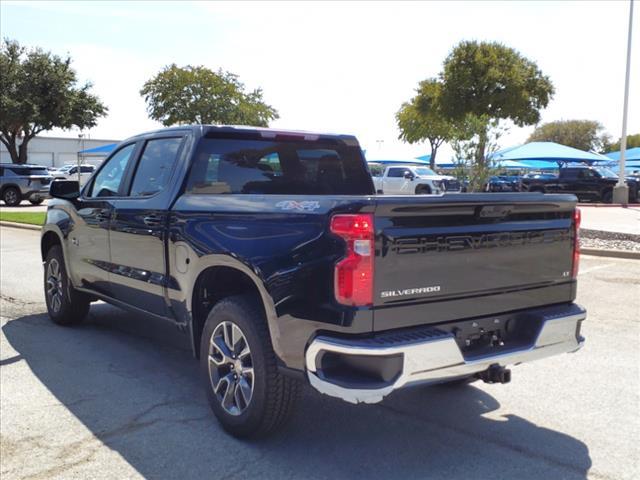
[155,166]
[108,180]
[278,167]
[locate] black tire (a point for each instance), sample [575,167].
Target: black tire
[11,196]
[607,197]
[67,306]
[36,202]
[272,395]
[423,190]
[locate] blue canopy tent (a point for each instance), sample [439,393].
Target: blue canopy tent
[103,149]
[549,152]
[632,154]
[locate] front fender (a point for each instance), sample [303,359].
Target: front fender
[59,223]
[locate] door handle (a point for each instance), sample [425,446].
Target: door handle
[103,215]
[152,220]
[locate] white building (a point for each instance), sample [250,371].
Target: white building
[58,151]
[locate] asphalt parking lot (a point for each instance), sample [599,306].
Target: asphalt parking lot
[119,397]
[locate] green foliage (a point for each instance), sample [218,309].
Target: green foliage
[185,95]
[31,218]
[39,91]
[421,118]
[633,141]
[476,135]
[585,135]
[491,82]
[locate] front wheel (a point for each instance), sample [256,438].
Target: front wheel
[246,392]
[65,305]
[36,201]
[423,190]
[607,197]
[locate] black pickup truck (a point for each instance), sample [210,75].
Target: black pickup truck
[590,184]
[272,254]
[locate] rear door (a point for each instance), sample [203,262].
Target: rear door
[470,254]
[138,227]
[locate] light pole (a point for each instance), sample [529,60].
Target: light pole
[80,156]
[621,191]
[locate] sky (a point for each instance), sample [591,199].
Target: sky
[334,66]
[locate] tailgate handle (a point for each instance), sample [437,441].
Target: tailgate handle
[494,211]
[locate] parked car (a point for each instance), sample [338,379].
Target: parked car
[411,180]
[501,184]
[272,254]
[70,172]
[23,182]
[587,183]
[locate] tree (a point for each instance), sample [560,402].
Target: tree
[493,83]
[585,135]
[39,91]
[421,118]
[182,95]
[633,141]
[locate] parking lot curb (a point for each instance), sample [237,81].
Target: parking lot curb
[609,205]
[599,252]
[23,226]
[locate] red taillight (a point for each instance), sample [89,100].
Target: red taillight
[353,275]
[576,242]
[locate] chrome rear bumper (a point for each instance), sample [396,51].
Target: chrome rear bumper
[433,356]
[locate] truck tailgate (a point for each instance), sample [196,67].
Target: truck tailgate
[465,255]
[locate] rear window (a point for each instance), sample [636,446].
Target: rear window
[278,168]
[28,171]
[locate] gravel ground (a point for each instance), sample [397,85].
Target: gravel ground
[609,240]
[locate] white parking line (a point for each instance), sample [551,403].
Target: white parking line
[597,267]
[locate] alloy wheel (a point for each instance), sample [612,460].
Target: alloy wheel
[231,368]
[54,285]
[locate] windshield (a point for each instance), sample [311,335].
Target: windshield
[605,172]
[424,171]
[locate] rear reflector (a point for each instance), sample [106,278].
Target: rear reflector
[576,242]
[353,275]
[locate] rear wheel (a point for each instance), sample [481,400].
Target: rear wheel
[11,197]
[246,392]
[66,306]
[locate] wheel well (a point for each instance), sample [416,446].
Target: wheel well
[212,285]
[48,240]
[423,187]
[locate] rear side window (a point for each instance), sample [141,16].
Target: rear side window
[278,168]
[155,166]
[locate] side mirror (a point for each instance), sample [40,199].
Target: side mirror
[65,189]
[408,175]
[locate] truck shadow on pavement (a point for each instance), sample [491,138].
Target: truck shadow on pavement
[141,397]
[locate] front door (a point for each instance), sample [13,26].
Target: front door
[89,237]
[395,183]
[139,226]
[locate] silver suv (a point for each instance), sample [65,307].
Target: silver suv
[23,182]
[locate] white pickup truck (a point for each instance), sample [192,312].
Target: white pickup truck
[412,179]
